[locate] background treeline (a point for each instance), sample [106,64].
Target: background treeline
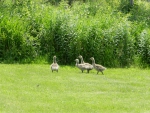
[112,31]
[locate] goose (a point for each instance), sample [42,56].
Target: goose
[80,66]
[54,66]
[98,67]
[82,61]
[87,65]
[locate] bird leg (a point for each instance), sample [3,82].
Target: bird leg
[88,71]
[97,72]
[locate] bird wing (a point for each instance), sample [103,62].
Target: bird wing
[54,66]
[82,66]
[88,66]
[100,67]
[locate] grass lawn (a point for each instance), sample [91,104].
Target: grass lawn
[35,89]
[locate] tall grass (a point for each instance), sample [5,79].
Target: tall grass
[32,29]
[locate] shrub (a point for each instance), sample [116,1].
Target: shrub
[30,30]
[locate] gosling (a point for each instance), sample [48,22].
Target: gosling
[82,61]
[87,65]
[98,67]
[80,66]
[54,66]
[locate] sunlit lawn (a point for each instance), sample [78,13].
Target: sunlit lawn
[35,89]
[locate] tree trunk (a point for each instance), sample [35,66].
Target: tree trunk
[131,2]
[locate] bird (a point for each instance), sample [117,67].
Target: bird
[82,61]
[54,66]
[88,66]
[98,67]
[80,66]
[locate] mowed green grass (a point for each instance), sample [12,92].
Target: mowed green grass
[35,89]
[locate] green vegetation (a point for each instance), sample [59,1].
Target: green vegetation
[35,89]
[114,33]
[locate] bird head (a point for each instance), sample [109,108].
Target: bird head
[80,56]
[77,60]
[92,58]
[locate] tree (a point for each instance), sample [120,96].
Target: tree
[131,2]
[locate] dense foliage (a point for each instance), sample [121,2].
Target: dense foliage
[116,37]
